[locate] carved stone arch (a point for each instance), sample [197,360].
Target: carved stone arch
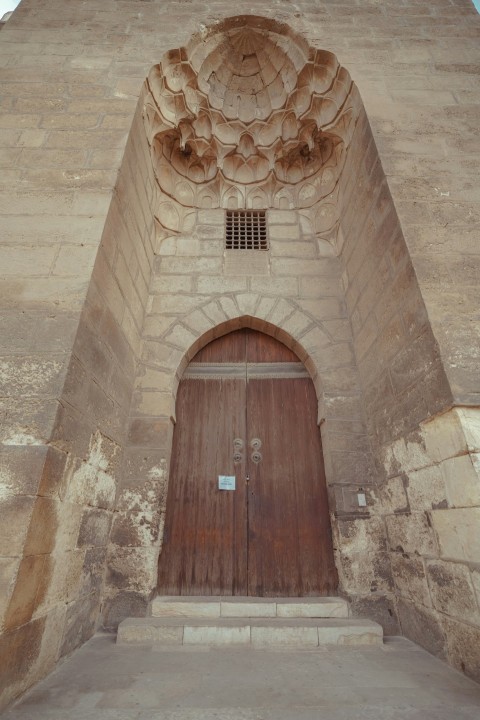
[238,321]
[257,199]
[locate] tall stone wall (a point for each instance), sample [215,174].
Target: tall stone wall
[72,74]
[426,468]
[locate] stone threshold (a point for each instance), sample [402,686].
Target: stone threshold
[238,606]
[253,632]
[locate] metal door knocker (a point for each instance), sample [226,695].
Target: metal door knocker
[237,450]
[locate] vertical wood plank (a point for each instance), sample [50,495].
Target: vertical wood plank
[290,546]
[205,547]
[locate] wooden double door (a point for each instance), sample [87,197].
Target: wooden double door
[247,409]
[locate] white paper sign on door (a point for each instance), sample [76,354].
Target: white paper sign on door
[226,482]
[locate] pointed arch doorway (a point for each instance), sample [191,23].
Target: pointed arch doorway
[247,409]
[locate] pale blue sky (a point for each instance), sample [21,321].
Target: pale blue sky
[6,5]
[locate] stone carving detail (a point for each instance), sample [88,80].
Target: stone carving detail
[248,116]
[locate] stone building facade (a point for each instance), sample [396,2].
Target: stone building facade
[128,128]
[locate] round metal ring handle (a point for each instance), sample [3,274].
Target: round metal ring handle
[238,444]
[256,457]
[237,457]
[256,444]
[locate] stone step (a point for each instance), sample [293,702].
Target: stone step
[251,632]
[244,607]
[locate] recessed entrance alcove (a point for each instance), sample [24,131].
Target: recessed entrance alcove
[249,117]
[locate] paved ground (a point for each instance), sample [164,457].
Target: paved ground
[398,681]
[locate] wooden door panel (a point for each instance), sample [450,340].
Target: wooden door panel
[264,348]
[228,348]
[290,547]
[274,537]
[205,545]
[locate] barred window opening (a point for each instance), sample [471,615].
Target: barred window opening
[246,230]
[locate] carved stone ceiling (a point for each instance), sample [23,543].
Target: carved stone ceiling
[249,116]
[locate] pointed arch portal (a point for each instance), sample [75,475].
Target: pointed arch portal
[247,409]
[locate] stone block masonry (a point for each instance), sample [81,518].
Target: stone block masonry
[102,308]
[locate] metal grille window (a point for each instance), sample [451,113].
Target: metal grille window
[246,230]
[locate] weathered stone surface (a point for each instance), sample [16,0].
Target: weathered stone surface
[379,608]
[410,579]
[16,512]
[20,468]
[452,590]
[125,604]
[43,525]
[426,488]
[152,432]
[463,647]
[411,533]
[462,480]
[19,650]
[81,622]
[457,532]
[422,626]
[94,528]
[30,586]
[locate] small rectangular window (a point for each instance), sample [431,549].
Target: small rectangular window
[246,230]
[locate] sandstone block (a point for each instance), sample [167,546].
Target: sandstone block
[444,436]
[151,403]
[41,534]
[290,249]
[248,609]
[171,284]
[211,217]
[297,324]
[285,286]
[463,646]
[30,586]
[149,432]
[16,512]
[462,480]
[216,635]
[410,578]
[470,422]
[319,287]
[426,488]
[94,528]
[8,574]
[130,632]
[209,285]
[452,591]
[284,232]
[411,534]
[182,337]
[423,626]
[458,532]
[172,304]
[282,217]
[365,573]
[286,636]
